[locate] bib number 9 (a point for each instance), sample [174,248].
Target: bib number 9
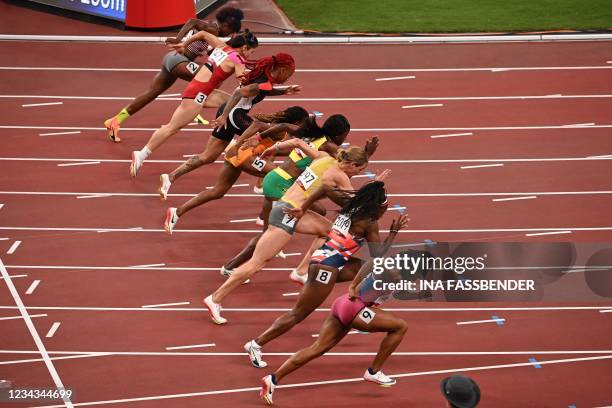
[323,276]
[307,179]
[367,315]
[258,164]
[200,98]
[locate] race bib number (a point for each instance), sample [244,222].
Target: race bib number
[307,179]
[258,164]
[218,56]
[200,98]
[289,220]
[367,315]
[323,276]
[193,67]
[342,224]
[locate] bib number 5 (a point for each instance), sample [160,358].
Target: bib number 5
[258,164]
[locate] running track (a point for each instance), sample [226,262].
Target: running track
[540,112]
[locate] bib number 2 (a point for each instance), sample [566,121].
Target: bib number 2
[193,67]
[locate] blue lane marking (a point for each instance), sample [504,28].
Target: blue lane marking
[429,243]
[499,321]
[370,174]
[317,114]
[535,363]
[399,208]
[571,406]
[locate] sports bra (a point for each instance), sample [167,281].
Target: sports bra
[300,158]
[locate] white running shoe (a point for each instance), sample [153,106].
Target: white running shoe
[136,163]
[214,310]
[259,221]
[379,378]
[296,277]
[267,389]
[228,272]
[281,255]
[255,354]
[164,186]
[258,190]
[171,220]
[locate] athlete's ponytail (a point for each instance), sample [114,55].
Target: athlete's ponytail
[245,38]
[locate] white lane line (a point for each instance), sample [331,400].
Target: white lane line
[95,196]
[244,220]
[293,254]
[422,106]
[291,294]
[31,105]
[338,381]
[482,165]
[396,209]
[345,99]
[235,185]
[169,95]
[4,239]
[165,304]
[21,317]
[53,329]
[318,70]
[606,311]
[191,155]
[13,247]
[396,78]
[15,276]
[188,347]
[32,287]
[605,156]
[548,233]
[515,198]
[580,124]
[32,329]
[240,231]
[121,268]
[325,310]
[501,69]
[452,135]
[147,266]
[59,133]
[77,164]
[481,321]
[34,360]
[1,205]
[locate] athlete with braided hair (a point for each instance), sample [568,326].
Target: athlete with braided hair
[334,261]
[176,65]
[225,60]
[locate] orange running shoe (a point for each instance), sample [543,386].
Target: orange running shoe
[112,125]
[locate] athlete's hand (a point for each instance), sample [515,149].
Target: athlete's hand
[250,142]
[293,89]
[371,145]
[352,293]
[398,224]
[180,47]
[232,151]
[295,212]
[172,40]
[382,176]
[269,152]
[220,122]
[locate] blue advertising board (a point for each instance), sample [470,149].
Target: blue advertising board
[111,9]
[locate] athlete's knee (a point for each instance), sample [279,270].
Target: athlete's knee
[296,316]
[170,128]
[206,158]
[218,192]
[401,327]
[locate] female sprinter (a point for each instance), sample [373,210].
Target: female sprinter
[334,261]
[359,310]
[255,86]
[175,65]
[332,172]
[245,160]
[225,60]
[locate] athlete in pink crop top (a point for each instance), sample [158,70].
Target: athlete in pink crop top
[225,60]
[334,261]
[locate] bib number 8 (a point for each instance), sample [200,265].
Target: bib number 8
[367,315]
[323,276]
[200,98]
[258,164]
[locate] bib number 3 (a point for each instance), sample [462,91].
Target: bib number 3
[367,315]
[200,98]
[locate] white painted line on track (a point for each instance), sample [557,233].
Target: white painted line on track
[32,329]
[605,156]
[244,220]
[4,239]
[515,198]
[396,209]
[293,254]
[1,205]
[235,185]
[147,266]
[13,247]
[122,268]
[32,287]
[395,78]
[77,164]
[15,276]
[193,346]
[95,196]
[351,332]
[482,166]
[291,294]
[422,106]
[34,360]
[451,135]
[53,330]
[21,317]
[580,124]
[480,321]
[548,233]
[169,95]
[164,305]
[60,133]
[325,310]
[31,105]
[338,381]
[606,311]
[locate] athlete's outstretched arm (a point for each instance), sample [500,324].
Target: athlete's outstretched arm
[372,234]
